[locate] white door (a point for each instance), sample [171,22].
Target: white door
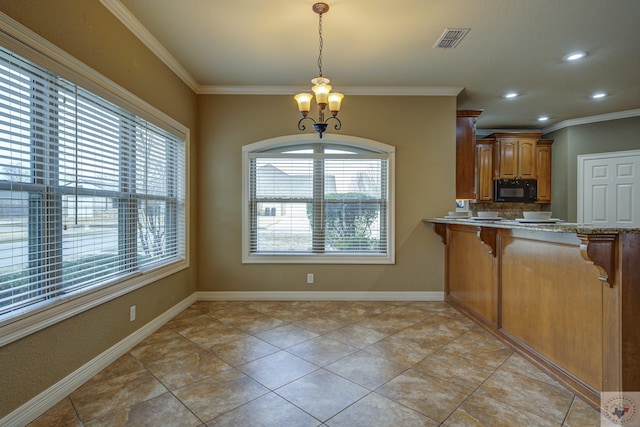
[609,189]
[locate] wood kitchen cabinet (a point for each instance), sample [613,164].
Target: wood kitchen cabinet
[465,153]
[516,154]
[484,170]
[543,166]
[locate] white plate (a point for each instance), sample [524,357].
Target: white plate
[538,221]
[456,217]
[483,218]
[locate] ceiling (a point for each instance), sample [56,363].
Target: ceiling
[374,47]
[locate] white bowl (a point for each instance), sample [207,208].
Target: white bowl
[459,213]
[539,215]
[487,214]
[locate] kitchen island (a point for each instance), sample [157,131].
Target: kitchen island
[566,296]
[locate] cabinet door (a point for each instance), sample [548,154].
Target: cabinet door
[485,172]
[543,154]
[465,153]
[527,159]
[508,158]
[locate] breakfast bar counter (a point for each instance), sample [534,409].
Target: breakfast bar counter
[565,295]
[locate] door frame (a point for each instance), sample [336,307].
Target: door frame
[582,158]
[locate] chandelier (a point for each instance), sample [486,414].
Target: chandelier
[322,90]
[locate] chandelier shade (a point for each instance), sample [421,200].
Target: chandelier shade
[322,90]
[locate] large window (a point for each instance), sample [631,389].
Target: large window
[90,193]
[328,201]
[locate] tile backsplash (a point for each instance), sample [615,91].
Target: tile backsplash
[507,210]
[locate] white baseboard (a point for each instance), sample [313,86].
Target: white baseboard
[319,296]
[54,394]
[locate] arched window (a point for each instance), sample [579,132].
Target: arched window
[318,201]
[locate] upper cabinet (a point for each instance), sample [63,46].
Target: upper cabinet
[465,153]
[517,155]
[543,165]
[484,170]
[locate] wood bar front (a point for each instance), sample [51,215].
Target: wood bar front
[567,301]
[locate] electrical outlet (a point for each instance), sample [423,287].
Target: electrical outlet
[132,313]
[310,278]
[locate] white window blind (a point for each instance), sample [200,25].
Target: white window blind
[318,200]
[89,192]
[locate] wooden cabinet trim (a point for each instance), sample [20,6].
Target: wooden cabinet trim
[600,250]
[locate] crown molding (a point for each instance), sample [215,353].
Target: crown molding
[592,119]
[140,31]
[350,90]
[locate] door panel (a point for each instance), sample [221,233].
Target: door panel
[609,189]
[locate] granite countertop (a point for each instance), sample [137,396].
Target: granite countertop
[558,227]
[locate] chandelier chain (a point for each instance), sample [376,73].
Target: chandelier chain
[321,43]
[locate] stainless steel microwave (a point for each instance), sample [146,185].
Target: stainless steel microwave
[515,190]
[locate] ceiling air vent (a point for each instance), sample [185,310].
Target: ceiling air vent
[451,37]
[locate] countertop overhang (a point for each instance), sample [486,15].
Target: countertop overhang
[557,227]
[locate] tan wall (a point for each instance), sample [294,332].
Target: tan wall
[86,30]
[421,128]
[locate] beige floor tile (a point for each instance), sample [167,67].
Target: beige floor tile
[455,369]
[378,411]
[433,307]
[428,395]
[219,394]
[164,410]
[386,323]
[162,334]
[428,361]
[178,372]
[277,369]
[366,369]
[126,364]
[519,365]
[185,325]
[93,401]
[286,336]
[255,322]
[405,351]
[356,336]
[480,346]
[321,350]
[230,314]
[432,334]
[583,415]
[171,348]
[62,414]
[217,333]
[267,411]
[243,350]
[481,411]
[548,401]
[322,394]
[320,324]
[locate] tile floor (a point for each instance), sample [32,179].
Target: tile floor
[310,363]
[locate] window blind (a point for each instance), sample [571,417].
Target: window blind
[318,200]
[89,192]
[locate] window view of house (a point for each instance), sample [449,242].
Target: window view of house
[320,199]
[89,192]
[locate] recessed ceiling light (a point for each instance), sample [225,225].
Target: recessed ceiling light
[511,95]
[543,118]
[598,95]
[574,56]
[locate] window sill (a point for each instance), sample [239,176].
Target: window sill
[20,323]
[318,259]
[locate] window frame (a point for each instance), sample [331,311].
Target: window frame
[350,142]
[22,322]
